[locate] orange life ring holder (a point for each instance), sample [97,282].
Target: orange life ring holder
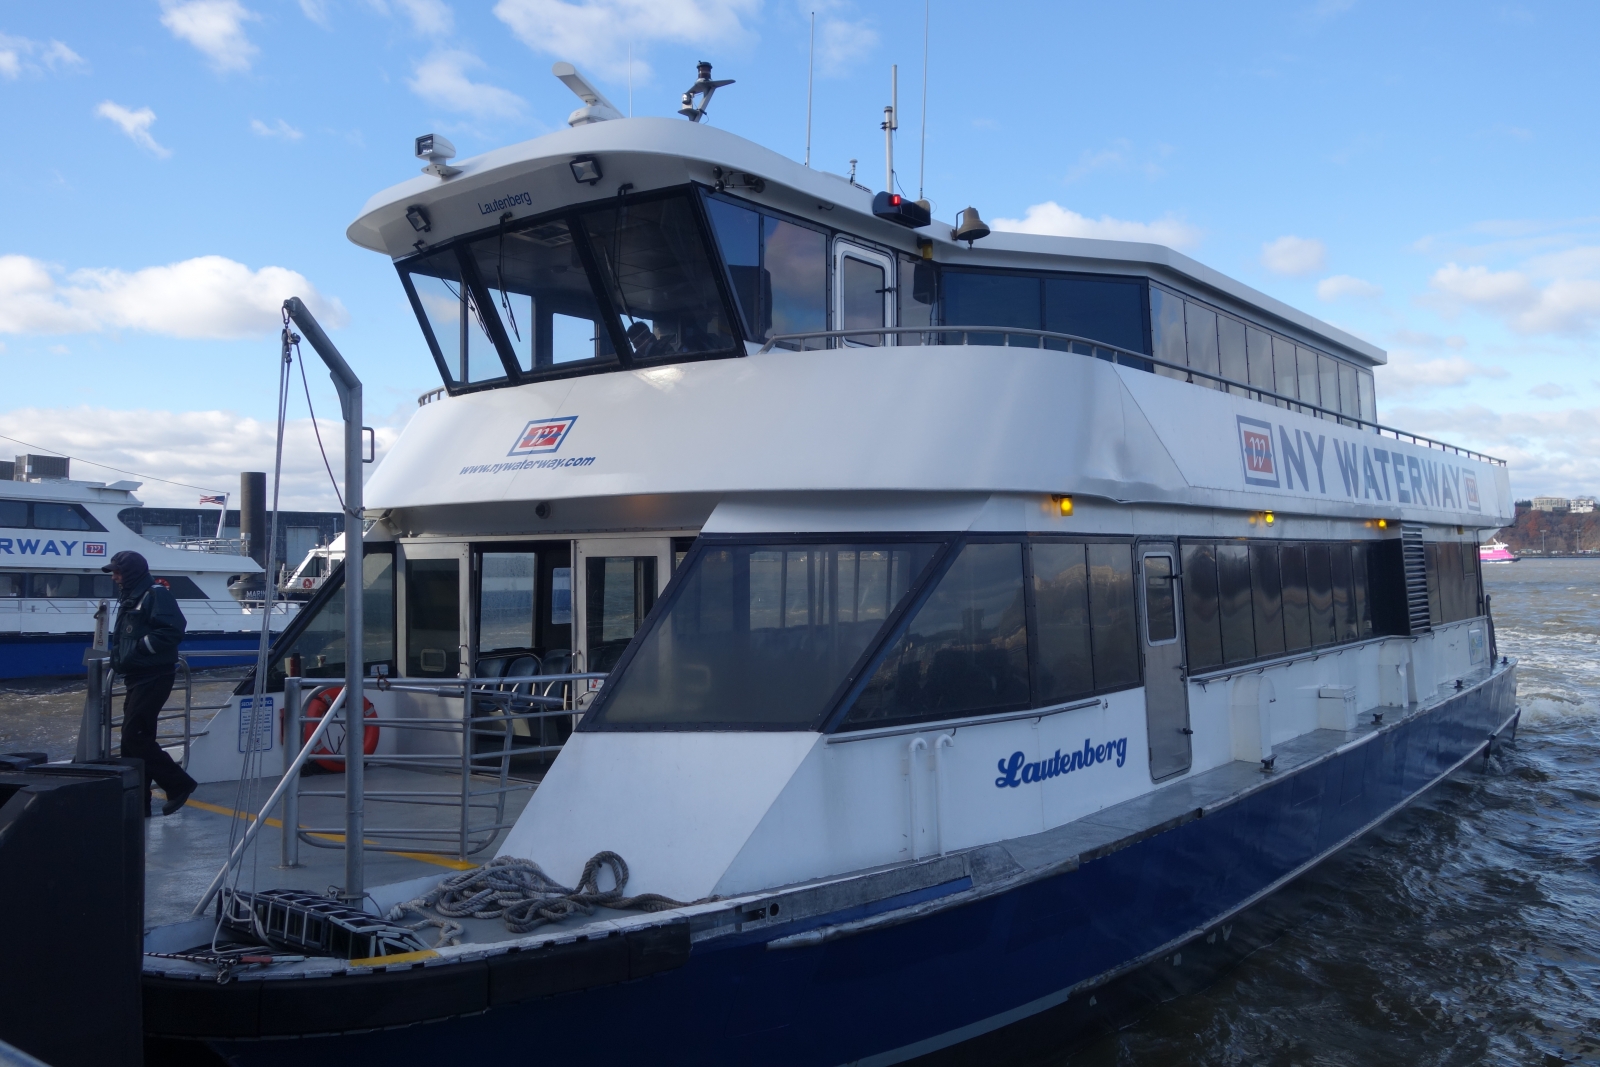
[316,708]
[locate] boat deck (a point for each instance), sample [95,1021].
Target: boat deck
[184,851]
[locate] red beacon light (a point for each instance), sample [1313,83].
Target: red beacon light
[892,207]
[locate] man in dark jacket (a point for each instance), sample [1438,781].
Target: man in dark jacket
[145,652]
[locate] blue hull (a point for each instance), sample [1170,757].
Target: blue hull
[958,975]
[61,655]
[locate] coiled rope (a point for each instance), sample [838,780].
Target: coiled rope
[519,892]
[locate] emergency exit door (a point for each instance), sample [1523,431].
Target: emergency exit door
[617,581]
[1166,687]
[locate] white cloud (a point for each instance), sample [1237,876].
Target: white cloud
[1340,286]
[442,80]
[1294,255]
[136,124]
[429,18]
[278,129]
[206,297]
[199,448]
[841,45]
[596,33]
[1564,305]
[21,56]
[1555,452]
[316,11]
[1053,219]
[215,27]
[1550,391]
[1408,374]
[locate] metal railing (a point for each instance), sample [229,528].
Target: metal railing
[430,396]
[222,546]
[1111,354]
[491,709]
[101,724]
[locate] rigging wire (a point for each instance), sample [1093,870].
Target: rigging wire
[922,163]
[314,429]
[106,466]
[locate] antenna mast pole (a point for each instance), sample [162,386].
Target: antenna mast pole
[922,146]
[811,66]
[891,124]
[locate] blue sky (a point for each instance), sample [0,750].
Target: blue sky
[1421,174]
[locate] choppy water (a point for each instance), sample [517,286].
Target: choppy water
[1467,929]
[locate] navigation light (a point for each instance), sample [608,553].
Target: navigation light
[892,207]
[1270,518]
[1065,503]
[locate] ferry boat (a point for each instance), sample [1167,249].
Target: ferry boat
[56,534]
[970,628]
[1496,551]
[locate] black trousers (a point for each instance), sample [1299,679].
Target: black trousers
[146,695]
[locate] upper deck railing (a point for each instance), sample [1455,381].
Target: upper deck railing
[1113,354]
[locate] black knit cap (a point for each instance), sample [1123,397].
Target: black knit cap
[132,565]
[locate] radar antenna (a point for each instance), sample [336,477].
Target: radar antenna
[703,88]
[597,108]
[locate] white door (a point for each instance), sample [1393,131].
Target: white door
[615,584]
[863,292]
[433,596]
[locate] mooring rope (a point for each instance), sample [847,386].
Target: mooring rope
[524,896]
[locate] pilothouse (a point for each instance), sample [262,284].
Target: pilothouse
[905,594]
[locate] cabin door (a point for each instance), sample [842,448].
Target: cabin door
[863,292]
[434,609]
[1166,689]
[617,582]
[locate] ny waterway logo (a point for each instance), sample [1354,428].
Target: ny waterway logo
[542,435]
[1016,770]
[1255,447]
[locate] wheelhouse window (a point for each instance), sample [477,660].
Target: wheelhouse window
[778,270]
[561,293]
[317,634]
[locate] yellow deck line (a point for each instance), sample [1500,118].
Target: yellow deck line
[422,857]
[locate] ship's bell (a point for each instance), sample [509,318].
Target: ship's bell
[971,228]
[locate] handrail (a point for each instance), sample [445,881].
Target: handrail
[1119,356]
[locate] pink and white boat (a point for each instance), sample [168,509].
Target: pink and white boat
[1496,552]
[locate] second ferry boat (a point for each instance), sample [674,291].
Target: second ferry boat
[985,618]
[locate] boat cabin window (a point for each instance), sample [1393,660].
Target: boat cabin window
[317,633]
[759,636]
[1191,334]
[777,269]
[620,591]
[433,618]
[1455,585]
[1099,307]
[555,294]
[25,515]
[68,586]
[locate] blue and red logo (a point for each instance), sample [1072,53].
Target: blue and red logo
[94,548]
[1255,448]
[542,435]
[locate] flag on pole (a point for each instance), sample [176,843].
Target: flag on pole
[219,500]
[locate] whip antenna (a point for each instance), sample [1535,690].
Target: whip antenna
[811,66]
[922,147]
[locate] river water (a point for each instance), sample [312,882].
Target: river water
[1466,930]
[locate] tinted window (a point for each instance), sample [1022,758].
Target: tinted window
[89,586]
[506,583]
[1430,559]
[1113,621]
[1167,332]
[1319,594]
[1231,347]
[738,232]
[61,517]
[320,641]
[1349,403]
[1259,347]
[1328,374]
[761,634]
[654,265]
[1101,310]
[1283,365]
[1296,598]
[795,262]
[14,513]
[1369,406]
[1160,610]
[455,319]
[433,617]
[1266,599]
[1306,360]
[992,300]
[861,290]
[1361,606]
[620,591]
[13,585]
[1200,327]
[964,652]
[1344,617]
[1061,605]
[1200,623]
[1234,603]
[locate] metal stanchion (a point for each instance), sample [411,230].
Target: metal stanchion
[293,741]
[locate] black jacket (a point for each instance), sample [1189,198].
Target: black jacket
[149,629]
